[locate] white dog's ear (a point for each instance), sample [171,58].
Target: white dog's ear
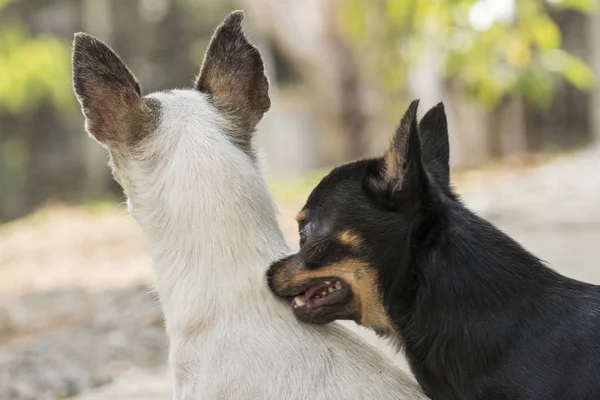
[109,94]
[233,75]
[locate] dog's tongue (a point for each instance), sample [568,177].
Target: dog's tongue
[326,293]
[313,291]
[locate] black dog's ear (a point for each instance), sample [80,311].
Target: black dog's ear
[109,94]
[233,74]
[433,130]
[400,173]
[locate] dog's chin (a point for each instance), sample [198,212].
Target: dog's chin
[325,314]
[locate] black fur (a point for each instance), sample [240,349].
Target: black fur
[433,130]
[480,318]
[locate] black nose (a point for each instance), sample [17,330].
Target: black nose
[273,268]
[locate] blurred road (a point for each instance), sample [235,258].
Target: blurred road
[553,210]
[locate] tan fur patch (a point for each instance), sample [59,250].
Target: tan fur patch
[394,159]
[392,167]
[350,239]
[121,121]
[367,301]
[302,216]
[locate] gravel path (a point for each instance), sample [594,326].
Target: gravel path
[553,210]
[71,341]
[92,320]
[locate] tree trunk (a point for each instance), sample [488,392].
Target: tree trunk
[470,129]
[593,37]
[308,34]
[508,135]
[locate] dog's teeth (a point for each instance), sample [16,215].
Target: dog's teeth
[338,285]
[298,302]
[323,293]
[328,282]
[331,290]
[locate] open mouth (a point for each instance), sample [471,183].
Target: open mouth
[323,293]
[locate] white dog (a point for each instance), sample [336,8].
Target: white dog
[186,163]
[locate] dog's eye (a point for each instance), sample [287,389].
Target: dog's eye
[302,239]
[304,232]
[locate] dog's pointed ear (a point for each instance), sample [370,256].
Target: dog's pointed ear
[400,173]
[433,130]
[109,94]
[233,75]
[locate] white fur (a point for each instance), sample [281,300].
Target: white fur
[211,223]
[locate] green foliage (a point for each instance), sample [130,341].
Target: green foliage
[32,70]
[4,3]
[293,191]
[584,6]
[14,157]
[205,16]
[491,54]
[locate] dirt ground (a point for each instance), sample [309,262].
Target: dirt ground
[77,316]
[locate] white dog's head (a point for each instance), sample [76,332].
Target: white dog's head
[183,157]
[186,162]
[229,99]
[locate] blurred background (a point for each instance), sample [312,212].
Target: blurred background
[518,78]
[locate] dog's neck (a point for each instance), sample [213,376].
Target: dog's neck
[476,288]
[210,221]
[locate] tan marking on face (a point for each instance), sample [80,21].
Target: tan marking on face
[367,301]
[350,239]
[302,216]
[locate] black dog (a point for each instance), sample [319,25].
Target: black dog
[387,243]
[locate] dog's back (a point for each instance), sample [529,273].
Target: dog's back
[533,333]
[270,356]
[556,354]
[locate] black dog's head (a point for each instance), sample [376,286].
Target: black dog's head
[358,225]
